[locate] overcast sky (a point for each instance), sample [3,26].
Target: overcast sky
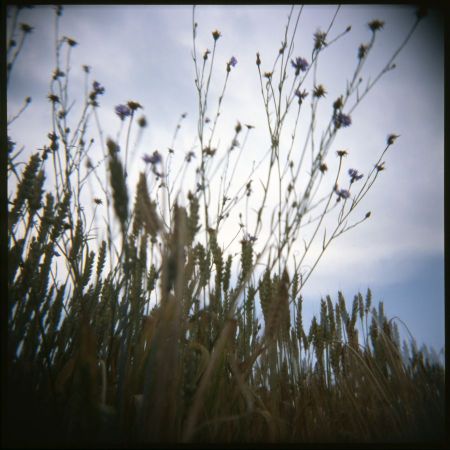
[143,53]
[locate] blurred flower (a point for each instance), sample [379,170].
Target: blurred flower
[231,63]
[362,50]
[319,91]
[98,88]
[300,65]
[268,75]
[238,127]
[258,60]
[301,95]
[380,166]
[86,69]
[26,28]
[343,193]
[134,105]
[122,111]
[338,104]
[209,151]
[342,153]
[98,201]
[216,34]
[323,167]
[58,73]
[205,55]
[367,215]
[53,98]
[376,25]
[354,175]
[71,42]
[319,39]
[142,122]
[342,120]
[153,159]
[391,138]
[207,120]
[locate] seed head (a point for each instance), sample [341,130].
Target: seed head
[391,138]
[319,91]
[376,25]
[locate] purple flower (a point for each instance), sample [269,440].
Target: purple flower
[98,88]
[152,159]
[300,65]
[231,63]
[123,111]
[343,193]
[301,95]
[342,120]
[354,175]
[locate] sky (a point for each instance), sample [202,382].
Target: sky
[144,53]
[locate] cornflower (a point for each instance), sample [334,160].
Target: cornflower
[98,88]
[122,111]
[354,175]
[342,120]
[300,65]
[153,159]
[342,193]
[301,95]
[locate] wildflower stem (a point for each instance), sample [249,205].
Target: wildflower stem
[128,143]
